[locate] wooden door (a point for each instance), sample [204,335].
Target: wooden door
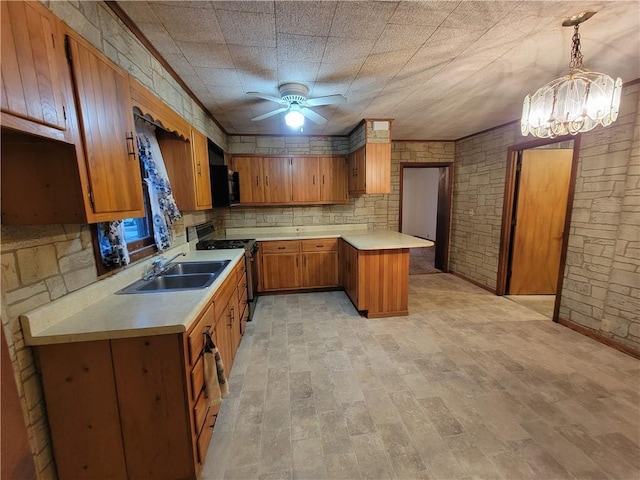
[305,179]
[200,152]
[320,269]
[251,178]
[540,213]
[351,274]
[33,65]
[333,179]
[277,179]
[106,121]
[281,271]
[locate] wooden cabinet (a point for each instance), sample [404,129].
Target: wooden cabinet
[333,179]
[200,163]
[350,272]
[305,176]
[136,407]
[251,179]
[106,123]
[36,86]
[277,179]
[370,169]
[184,149]
[291,180]
[376,281]
[295,264]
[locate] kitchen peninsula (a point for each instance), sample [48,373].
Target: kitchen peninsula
[371,266]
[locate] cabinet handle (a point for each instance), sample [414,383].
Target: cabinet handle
[257,180]
[266,180]
[323,179]
[296,261]
[131,147]
[319,246]
[199,169]
[281,248]
[314,179]
[231,315]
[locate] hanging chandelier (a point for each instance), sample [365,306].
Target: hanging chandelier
[577,102]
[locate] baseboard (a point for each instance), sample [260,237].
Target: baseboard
[598,337]
[472,281]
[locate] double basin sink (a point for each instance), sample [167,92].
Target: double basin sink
[180,276]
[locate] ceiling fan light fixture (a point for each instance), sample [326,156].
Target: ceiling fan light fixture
[294,119]
[575,103]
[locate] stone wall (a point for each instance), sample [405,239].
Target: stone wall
[478,193]
[601,288]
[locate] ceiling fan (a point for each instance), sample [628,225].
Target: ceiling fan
[293,98]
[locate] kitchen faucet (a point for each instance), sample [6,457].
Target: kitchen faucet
[160,264]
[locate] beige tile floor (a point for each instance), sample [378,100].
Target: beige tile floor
[470,385]
[542,304]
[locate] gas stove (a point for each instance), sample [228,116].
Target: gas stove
[249,245]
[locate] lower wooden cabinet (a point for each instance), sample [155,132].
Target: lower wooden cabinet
[297,264]
[135,408]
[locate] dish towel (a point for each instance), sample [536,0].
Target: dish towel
[216,386]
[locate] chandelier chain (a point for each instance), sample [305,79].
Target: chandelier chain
[576,54]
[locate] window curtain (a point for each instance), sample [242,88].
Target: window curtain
[113,245]
[164,210]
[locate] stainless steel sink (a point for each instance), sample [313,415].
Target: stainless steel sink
[190,268]
[180,276]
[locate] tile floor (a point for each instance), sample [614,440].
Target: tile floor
[542,304]
[470,385]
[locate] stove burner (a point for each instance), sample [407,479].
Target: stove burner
[224,244]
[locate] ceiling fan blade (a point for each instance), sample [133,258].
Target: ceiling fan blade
[270,114]
[328,100]
[266,96]
[313,116]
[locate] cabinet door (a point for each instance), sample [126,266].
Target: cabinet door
[333,179]
[281,271]
[200,156]
[222,339]
[351,274]
[34,79]
[378,168]
[106,122]
[357,171]
[251,178]
[277,179]
[305,179]
[320,269]
[236,316]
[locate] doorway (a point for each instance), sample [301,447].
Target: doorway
[425,209]
[537,204]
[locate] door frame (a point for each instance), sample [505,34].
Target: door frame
[443,215]
[508,208]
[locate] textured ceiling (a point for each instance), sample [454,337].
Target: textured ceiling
[440,69]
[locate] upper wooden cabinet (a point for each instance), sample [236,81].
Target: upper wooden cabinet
[291,180]
[106,123]
[184,149]
[36,85]
[370,169]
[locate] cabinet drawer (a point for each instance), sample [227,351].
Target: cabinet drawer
[197,378]
[242,286]
[320,245]
[206,433]
[196,337]
[284,246]
[240,268]
[200,411]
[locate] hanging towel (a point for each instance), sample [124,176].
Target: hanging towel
[215,380]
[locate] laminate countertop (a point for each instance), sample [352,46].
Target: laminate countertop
[96,312]
[359,238]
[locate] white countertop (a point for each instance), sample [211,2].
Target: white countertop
[356,235]
[76,317]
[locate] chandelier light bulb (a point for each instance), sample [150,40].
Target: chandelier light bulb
[575,103]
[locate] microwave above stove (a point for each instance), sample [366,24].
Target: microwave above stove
[225,188]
